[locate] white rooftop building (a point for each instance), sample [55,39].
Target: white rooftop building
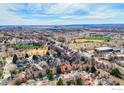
[104,49]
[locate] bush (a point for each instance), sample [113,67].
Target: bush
[115,72]
[60,82]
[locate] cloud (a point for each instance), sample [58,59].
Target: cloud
[53,13]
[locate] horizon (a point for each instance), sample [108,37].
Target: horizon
[62,25]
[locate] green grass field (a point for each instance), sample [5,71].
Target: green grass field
[26,47]
[98,38]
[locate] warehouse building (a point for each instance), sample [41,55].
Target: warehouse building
[104,49]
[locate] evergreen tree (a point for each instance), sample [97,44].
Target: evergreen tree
[60,82]
[115,72]
[35,57]
[49,75]
[17,82]
[15,58]
[59,70]
[47,53]
[1,63]
[40,75]
[87,69]
[1,73]
[93,69]
[26,55]
[78,81]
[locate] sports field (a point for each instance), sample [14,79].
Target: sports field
[97,38]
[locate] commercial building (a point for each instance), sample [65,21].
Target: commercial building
[103,49]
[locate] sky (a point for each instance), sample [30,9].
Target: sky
[61,13]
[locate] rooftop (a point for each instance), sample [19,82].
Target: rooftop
[103,48]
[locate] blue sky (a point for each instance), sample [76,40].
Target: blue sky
[61,14]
